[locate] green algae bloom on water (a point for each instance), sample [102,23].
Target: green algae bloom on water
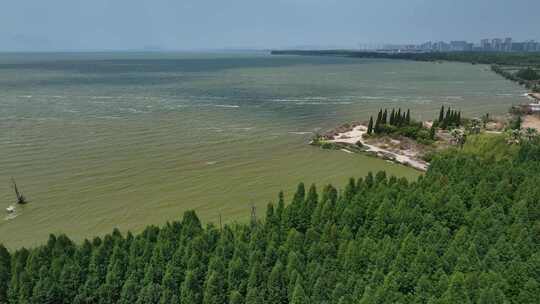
[126,140]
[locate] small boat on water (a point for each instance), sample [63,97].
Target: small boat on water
[10,209]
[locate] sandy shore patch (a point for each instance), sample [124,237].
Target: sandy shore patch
[531,121]
[405,157]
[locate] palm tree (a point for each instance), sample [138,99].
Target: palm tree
[513,136]
[531,133]
[475,126]
[458,137]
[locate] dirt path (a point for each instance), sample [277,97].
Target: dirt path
[356,135]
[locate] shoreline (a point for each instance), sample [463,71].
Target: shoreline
[533,96]
[355,135]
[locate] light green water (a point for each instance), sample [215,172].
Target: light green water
[98,141]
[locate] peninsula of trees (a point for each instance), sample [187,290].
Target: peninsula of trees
[519,59]
[468,231]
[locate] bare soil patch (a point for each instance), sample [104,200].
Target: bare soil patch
[531,121]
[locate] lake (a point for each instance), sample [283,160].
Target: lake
[103,140]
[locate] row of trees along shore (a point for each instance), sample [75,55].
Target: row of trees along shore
[468,231]
[396,119]
[499,58]
[449,119]
[527,77]
[400,123]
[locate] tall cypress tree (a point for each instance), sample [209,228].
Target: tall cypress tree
[377,127]
[255,294]
[45,290]
[408,117]
[276,287]
[457,290]
[299,295]
[5,273]
[370,126]
[214,290]
[448,115]
[384,117]
[149,294]
[235,297]
[280,207]
[191,290]
[393,117]
[379,115]
[441,115]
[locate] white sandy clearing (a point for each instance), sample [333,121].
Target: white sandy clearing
[356,135]
[534,96]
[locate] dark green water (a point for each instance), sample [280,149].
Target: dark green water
[98,141]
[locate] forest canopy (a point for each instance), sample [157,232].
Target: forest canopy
[468,231]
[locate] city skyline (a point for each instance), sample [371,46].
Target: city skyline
[507,44]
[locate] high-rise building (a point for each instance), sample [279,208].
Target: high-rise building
[428,46]
[508,44]
[441,46]
[496,44]
[530,46]
[485,45]
[458,46]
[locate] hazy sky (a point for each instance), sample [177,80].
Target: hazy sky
[213,24]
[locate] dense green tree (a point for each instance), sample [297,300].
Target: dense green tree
[441,114]
[528,74]
[378,122]
[236,298]
[191,290]
[408,117]
[276,292]
[46,289]
[299,295]
[5,273]
[457,291]
[465,232]
[492,296]
[399,118]
[530,293]
[214,290]
[238,274]
[370,126]
[130,291]
[149,294]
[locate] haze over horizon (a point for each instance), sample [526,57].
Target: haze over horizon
[70,25]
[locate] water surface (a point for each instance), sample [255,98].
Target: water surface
[106,140]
